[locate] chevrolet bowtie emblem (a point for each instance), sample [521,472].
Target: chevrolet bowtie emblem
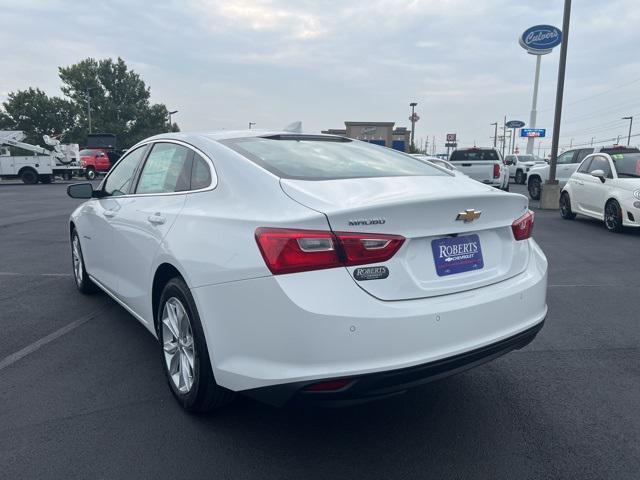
[469,215]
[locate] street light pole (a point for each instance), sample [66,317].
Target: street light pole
[413,124]
[495,134]
[630,125]
[171,113]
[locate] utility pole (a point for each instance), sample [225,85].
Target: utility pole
[89,108]
[504,134]
[618,140]
[413,124]
[495,134]
[433,145]
[630,125]
[550,197]
[592,138]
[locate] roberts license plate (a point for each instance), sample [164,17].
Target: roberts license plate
[457,254]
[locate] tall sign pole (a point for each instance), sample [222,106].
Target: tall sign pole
[534,105]
[551,191]
[538,41]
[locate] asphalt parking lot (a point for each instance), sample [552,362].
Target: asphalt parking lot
[82,392]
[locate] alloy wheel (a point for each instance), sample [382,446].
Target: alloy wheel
[612,216]
[76,255]
[178,344]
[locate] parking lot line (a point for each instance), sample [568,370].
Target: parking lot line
[14,357]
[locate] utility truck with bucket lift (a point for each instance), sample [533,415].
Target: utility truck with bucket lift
[44,163]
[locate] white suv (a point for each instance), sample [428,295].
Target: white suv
[566,165]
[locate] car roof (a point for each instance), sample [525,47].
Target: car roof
[220,135]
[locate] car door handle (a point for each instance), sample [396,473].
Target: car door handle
[156,219]
[579,182]
[109,213]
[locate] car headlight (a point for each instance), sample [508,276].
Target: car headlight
[637,194]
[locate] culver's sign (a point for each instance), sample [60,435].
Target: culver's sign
[541,39]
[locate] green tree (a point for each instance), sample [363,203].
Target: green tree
[37,114]
[119,99]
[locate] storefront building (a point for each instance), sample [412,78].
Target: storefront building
[380,133]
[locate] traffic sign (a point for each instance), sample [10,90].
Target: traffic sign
[515,124]
[451,144]
[533,132]
[451,137]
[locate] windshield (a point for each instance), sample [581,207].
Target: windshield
[526,158]
[324,158]
[473,154]
[627,164]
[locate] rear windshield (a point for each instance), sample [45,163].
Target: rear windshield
[473,154]
[87,153]
[323,158]
[627,164]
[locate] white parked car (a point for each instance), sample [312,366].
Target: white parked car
[482,164]
[519,166]
[606,187]
[440,162]
[290,266]
[566,165]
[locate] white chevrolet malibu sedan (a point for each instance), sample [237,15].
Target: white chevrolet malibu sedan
[294,267]
[606,187]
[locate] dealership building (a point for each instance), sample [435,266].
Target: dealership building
[380,133]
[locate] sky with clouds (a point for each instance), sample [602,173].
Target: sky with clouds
[225,63]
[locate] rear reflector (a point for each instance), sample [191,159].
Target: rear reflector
[523,226]
[330,386]
[496,170]
[289,251]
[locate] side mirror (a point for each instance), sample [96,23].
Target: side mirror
[599,174]
[80,190]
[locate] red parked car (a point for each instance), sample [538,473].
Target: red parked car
[94,161]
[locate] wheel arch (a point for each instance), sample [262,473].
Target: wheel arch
[27,167]
[164,272]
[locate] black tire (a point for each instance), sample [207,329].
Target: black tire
[613,216]
[204,394]
[45,178]
[535,187]
[90,173]
[565,207]
[82,280]
[29,176]
[520,177]
[67,176]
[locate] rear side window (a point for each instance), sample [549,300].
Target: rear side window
[167,169]
[323,158]
[583,153]
[474,154]
[200,173]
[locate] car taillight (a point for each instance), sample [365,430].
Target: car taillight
[289,251]
[496,170]
[523,226]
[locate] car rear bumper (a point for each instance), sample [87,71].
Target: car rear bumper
[306,327]
[374,386]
